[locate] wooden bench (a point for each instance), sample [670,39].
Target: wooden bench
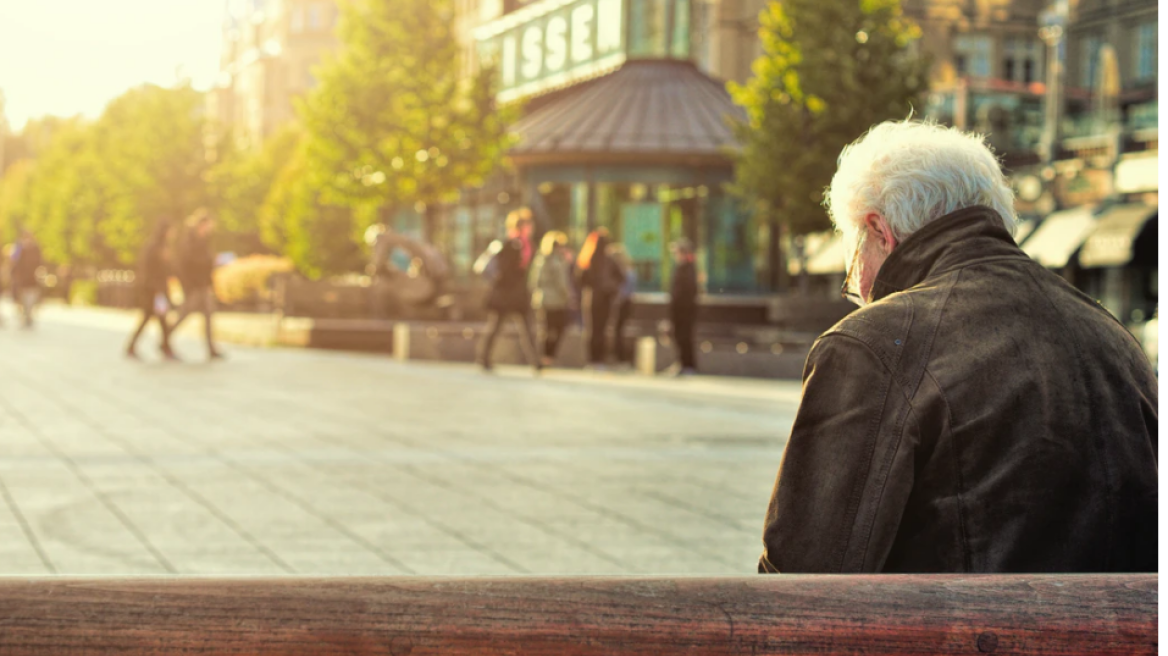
[893,614]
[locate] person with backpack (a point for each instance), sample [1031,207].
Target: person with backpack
[601,276]
[504,265]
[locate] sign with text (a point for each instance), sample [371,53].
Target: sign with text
[552,43]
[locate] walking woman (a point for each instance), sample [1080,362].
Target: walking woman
[624,301]
[550,282]
[153,299]
[504,264]
[600,276]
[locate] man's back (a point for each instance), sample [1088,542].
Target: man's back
[1015,423]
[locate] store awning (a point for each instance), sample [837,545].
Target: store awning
[1024,229]
[1110,244]
[1137,173]
[1059,236]
[662,112]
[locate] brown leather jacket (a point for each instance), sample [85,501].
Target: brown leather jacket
[980,415]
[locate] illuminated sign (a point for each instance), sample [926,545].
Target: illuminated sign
[552,43]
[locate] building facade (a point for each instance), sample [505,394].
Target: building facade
[624,119]
[624,127]
[269,50]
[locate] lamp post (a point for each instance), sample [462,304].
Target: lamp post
[1052,22]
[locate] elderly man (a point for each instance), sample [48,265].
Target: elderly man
[977,414]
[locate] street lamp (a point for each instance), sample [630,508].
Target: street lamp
[1052,22]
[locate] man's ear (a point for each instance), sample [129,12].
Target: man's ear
[878,227]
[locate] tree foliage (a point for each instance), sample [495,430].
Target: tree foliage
[294,220]
[830,69]
[393,121]
[241,180]
[92,191]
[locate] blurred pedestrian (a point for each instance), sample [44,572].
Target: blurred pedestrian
[977,414]
[603,279]
[153,296]
[503,264]
[196,264]
[683,305]
[624,301]
[550,282]
[26,260]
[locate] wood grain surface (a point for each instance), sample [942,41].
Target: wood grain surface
[927,614]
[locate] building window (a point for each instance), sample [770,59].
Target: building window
[647,28]
[1089,68]
[315,17]
[1023,59]
[680,46]
[1146,51]
[296,22]
[973,54]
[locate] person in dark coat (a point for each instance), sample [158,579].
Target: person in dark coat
[196,263]
[683,306]
[26,260]
[601,276]
[977,414]
[505,265]
[624,302]
[153,296]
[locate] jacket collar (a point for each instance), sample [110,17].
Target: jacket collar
[950,242]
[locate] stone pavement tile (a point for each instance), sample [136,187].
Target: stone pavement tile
[677,561]
[22,566]
[73,527]
[169,518]
[226,563]
[568,561]
[16,551]
[339,561]
[457,562]
[284,461]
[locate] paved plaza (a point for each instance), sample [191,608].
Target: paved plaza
[285,461]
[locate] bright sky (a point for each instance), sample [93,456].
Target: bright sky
[68,57]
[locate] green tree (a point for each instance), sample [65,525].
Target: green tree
[69,198]
[830,69]
[150,140]
[294,220]
[241,180]
[15,188]
[394,121]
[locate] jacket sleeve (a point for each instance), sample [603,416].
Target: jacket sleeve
[847,470]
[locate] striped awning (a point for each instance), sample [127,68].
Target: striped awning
[1110,244]
[1059,236]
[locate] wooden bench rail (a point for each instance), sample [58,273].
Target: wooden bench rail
[927,614]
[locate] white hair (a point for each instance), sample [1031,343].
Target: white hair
[914,172]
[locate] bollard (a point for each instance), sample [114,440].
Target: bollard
[401,341]
[647,355]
